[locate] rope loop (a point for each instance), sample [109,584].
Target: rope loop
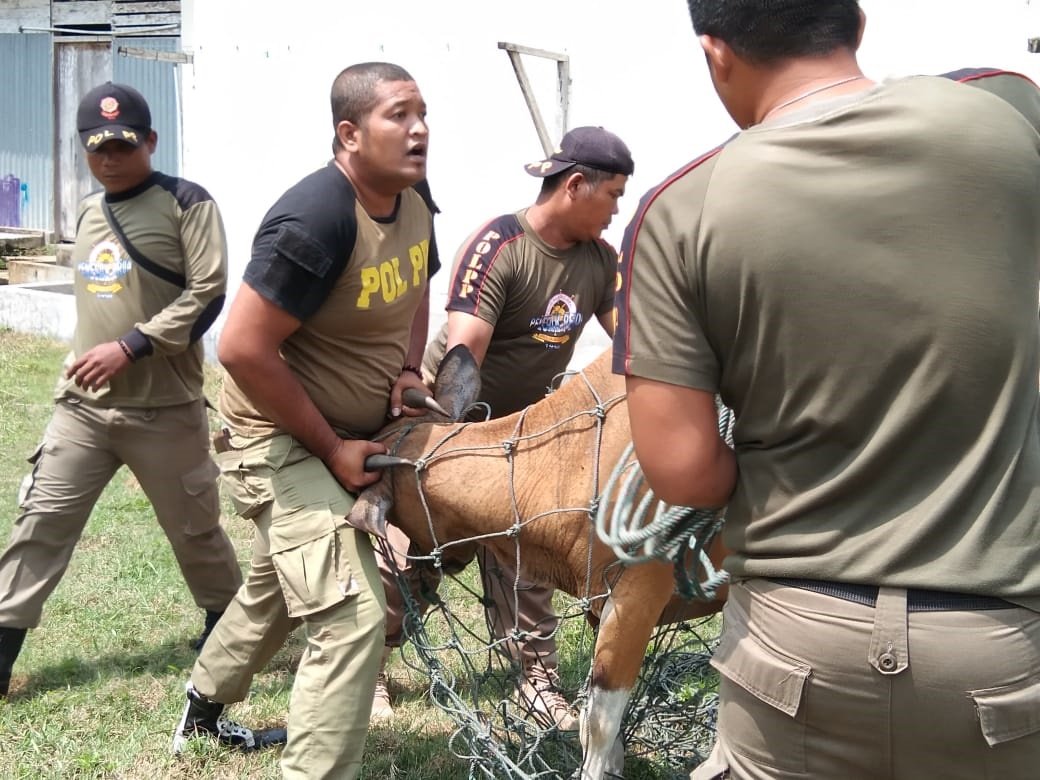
[638,527]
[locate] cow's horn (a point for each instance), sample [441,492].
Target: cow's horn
[379,462]
[417,399]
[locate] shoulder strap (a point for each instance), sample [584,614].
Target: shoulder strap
[153,268]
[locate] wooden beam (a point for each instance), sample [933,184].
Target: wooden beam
[144,20]
[179,57]
[563,86]
[15,14]
[74,14]
[134,7]
[549,55]
[531,100]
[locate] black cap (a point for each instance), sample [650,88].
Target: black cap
[591,146]
[113,112]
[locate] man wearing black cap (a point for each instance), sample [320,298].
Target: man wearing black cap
[524,286]
[150,260]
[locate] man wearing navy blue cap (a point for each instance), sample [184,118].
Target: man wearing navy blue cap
[523,288]
[150,264]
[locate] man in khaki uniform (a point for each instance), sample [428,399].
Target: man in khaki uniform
[332,311]
[856,275]
[149,282]
[524,287]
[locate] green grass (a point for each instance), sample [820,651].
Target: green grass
[99,685]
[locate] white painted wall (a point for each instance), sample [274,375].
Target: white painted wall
[256,113]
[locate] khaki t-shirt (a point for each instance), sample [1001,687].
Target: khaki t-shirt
[537,297]
[859,281]
[176,225]
[355,283]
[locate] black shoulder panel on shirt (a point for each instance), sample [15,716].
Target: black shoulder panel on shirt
[423,188]
[186,193]
[477,257]
[304,243]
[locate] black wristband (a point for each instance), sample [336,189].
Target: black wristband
[413,369]
[126,350]
[139,344]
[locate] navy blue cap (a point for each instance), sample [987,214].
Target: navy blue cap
[590,146]
[113,112]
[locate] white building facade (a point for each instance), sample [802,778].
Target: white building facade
[256,114]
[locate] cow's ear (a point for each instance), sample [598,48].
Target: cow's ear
[370,509]
[458,381]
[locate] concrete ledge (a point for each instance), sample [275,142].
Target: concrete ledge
[15,238]
[24,270]
[41,308]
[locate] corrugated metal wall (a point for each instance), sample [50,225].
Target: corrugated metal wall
[158,82]
[27,127]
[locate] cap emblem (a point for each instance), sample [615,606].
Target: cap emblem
[109,108]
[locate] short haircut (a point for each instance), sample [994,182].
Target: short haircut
[593,176]
[354,91]
[768,31]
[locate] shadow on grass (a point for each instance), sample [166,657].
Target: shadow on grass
[175,653]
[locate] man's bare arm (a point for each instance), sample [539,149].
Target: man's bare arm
[676,436]
[470,330]
[414,356]
[249,351]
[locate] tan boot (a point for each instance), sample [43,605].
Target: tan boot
[382,709]
[540,698]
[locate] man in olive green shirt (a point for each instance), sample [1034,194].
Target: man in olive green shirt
[524,286]
[856,274]
[150,278]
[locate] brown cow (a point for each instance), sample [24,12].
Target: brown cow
[536,471]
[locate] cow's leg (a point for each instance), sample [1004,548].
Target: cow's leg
[625,626]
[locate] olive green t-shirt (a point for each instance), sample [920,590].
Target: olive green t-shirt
[177,226]
[354,282]
[537,297]
[859,282]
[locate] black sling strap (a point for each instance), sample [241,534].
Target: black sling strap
[153,268]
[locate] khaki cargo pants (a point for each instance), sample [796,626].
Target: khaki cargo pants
[167,450]
[813,686]
[308,567]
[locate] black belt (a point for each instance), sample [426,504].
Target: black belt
[917,600]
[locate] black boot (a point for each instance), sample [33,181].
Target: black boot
[211,620]
[10,646]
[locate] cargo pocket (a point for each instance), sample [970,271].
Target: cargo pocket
[247,473]
[1009,712]
[761,694]
[29,480]
[309,555]
[200,485]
